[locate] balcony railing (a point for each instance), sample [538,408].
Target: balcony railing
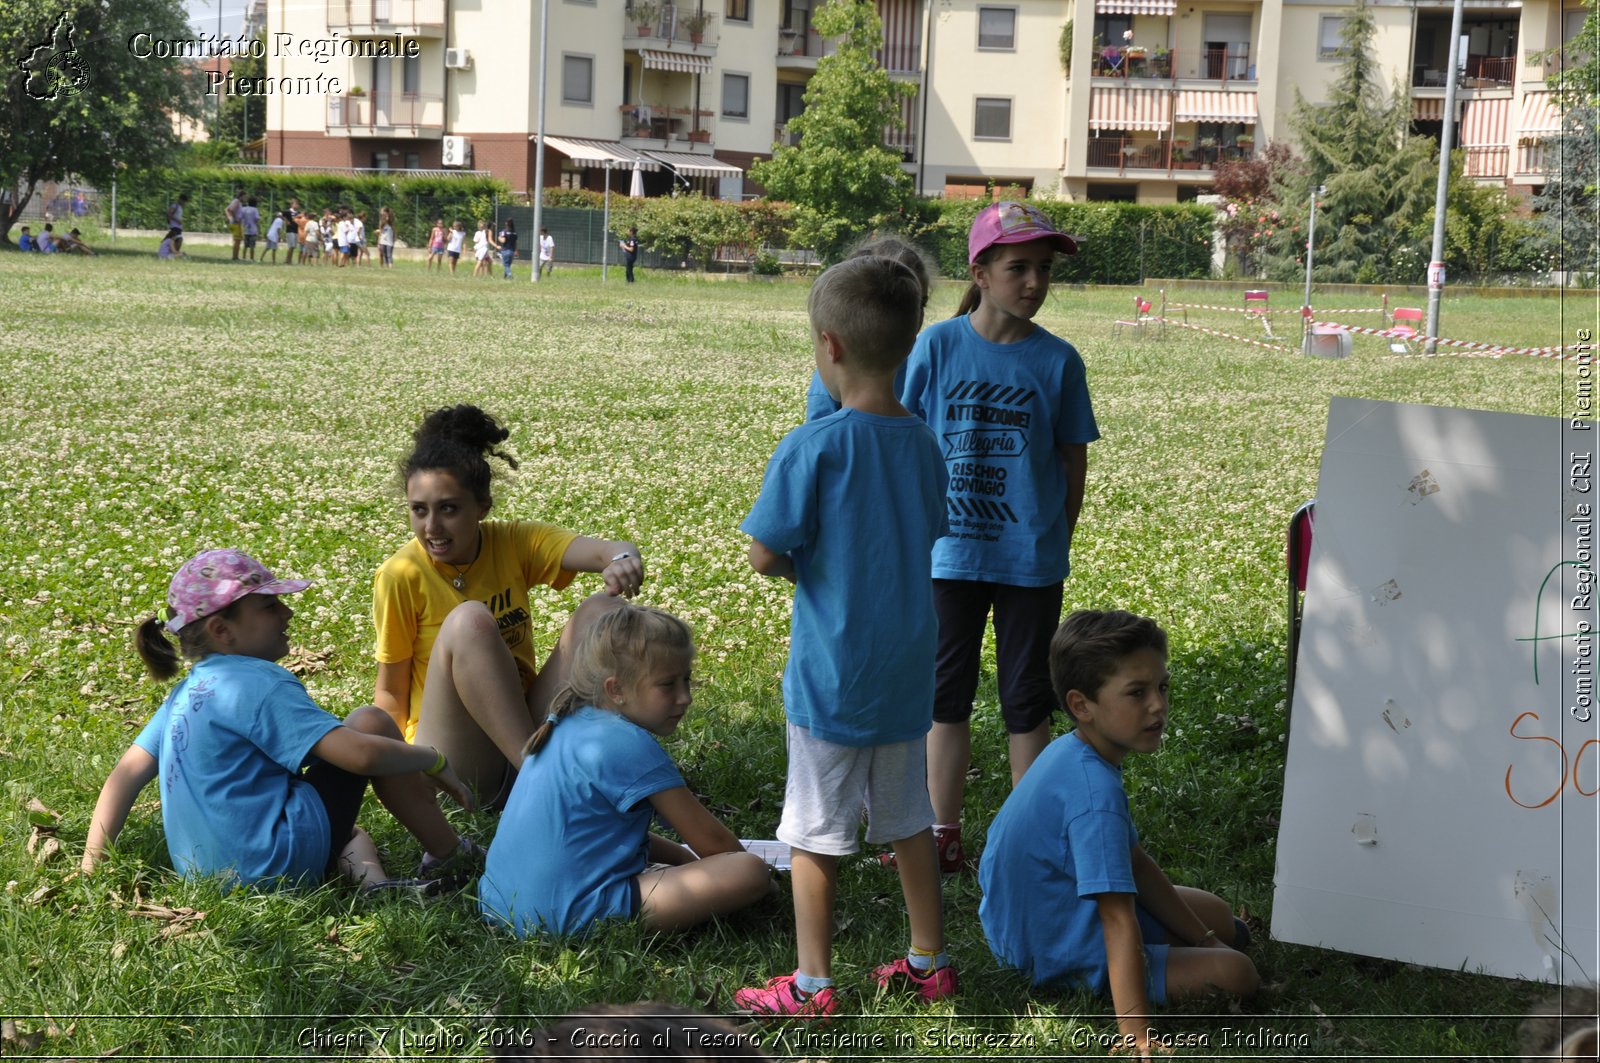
[1135,153]
[1209,64]
[666,124]
[672,24]
[1531,157]
[385,16]
[385,114]
[1480,71]
[1487,162]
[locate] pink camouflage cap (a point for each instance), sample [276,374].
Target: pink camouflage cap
[1009,222]
[215,579]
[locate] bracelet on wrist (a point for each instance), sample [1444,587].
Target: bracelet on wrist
[438,765]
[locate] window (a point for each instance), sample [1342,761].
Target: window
[997,28]
[577,79]
[413,160]
[1108,29]
[1329,46]
[736,95]
[737,11]
[411,75]
[992,118]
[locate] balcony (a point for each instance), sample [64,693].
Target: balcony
[386,114]
[375,18]
[656,125]
[680,24]
[1486,162]
[1165,156]
[1136,63]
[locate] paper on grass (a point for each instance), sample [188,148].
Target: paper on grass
[774,852]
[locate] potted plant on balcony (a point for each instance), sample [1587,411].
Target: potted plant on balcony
[644,16]
[696,25]
[699,136]
[1208,149]
[1245,142]
[1161,63]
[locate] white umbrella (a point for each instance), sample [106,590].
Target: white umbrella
[636,190]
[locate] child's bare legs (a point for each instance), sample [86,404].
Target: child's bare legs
[1025,748]
[675,898]
[553,676]
[358,860]
[410,798]
[918,863]
[949,756]
[1191,971]
[815,878]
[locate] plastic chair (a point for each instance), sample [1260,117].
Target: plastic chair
[1141,319]
[1298,564]
[1404,327]
[1255,302]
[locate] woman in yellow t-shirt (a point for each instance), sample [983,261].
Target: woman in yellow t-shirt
[456,662]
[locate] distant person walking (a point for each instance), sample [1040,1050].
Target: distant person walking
[547,251]
[230,214]
[508,245]
[175,222]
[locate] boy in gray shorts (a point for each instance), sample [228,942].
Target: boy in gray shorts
[849,511]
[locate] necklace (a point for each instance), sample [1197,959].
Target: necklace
[460,580]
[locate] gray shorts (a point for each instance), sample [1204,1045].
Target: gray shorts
[830,784]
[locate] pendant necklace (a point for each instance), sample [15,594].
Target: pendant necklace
[460,580]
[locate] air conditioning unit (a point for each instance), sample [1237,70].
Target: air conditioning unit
[457,59]
[457,152]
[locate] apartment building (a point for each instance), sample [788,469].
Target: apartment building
[690,93]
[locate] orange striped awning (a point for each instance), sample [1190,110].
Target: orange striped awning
[1135,7]
[1427,109]
[1540,115]
[1129,108]
[1486,123]
[676,62]
[1215,105]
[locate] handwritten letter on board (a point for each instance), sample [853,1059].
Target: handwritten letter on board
[1440,802]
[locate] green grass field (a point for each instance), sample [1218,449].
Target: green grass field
[153,409]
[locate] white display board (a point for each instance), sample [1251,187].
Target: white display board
[1444,753]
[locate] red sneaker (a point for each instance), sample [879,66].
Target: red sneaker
[781,998]
[930,986]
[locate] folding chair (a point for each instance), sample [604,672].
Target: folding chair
[1141,319]
[1404,327]
[1299,563]
[1255,302]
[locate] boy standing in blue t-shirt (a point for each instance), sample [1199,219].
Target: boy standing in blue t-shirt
[1068,894]
[849,511]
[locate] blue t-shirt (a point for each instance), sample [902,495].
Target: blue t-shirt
[575,831]
[27,243]
[820,404]
[230,741]
[857,501]
[1002,413]
[1062,836]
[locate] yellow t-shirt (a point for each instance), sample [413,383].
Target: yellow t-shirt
[411,596]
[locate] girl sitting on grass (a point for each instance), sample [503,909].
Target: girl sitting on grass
[230,740]
[574,841]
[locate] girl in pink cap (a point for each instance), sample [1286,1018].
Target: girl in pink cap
[1011,403]
[257,783]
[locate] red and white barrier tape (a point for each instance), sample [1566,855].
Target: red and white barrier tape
[1278,310]
[1226,335]
[1493,348]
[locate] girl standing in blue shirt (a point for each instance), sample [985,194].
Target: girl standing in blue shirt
[1010,405]
[230,741]
[574,841]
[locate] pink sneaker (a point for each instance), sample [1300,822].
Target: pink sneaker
[933,986]
[780,998]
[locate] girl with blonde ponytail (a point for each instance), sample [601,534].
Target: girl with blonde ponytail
[574,840]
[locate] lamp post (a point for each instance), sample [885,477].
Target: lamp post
[1311,236]
[538,159]
[1436,261]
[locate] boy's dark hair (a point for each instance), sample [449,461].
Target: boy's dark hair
[455,439]
[1090,644]
[872,306]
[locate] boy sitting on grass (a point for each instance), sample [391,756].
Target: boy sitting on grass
[1069,896]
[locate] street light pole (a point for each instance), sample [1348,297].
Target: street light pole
[1442,195]
[538,159]
[1311,236]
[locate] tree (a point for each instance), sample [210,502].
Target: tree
[244,118]
[1566,208]
[77,101]
[840,177]
[1378,182]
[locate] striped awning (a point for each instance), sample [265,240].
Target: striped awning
[1127,108]
[1540,115]
[1486,123]
[676,62]
[604,154]
[1215,105]
[1427,109]
[688,165]
[1135,7]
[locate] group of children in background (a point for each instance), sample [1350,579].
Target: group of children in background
[449,245]
[50,242]
[881,510]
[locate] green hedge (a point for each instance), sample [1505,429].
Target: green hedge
[1119,243]
[142,200]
